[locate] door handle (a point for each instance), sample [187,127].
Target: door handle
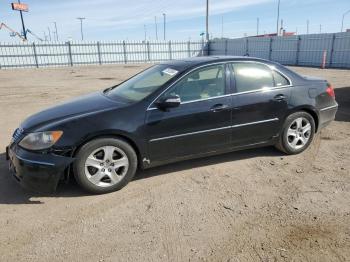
[279,97]
[218,108]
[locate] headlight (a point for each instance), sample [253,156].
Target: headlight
[40,140]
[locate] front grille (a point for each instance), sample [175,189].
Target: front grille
[17,135]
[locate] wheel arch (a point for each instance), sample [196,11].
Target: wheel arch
[311,111]
[116,135]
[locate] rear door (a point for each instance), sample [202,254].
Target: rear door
[202,121]
[260,102]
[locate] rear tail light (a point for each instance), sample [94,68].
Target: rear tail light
[330,90]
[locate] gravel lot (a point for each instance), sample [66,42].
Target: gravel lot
[253,205]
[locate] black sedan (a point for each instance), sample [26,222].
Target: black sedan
[171,111]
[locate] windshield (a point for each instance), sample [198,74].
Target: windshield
[143,84]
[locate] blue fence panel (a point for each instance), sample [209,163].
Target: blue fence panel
[284,50]
[259,47]
[341,51]
[312,47]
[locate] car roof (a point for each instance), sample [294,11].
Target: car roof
[186,63]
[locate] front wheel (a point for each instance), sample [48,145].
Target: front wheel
[105,165]
[297,133]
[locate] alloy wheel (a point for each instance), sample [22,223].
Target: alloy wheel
[299,133]
[106,166]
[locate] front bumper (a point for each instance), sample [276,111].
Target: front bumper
[38,172]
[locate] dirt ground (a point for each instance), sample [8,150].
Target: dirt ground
[253,205]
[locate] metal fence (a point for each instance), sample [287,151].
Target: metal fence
[85,53]
[303,50]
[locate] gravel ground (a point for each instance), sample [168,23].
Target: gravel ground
[253,205]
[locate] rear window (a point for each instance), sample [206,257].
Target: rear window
[280,80]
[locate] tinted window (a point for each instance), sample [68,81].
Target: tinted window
[251,76]
[280,80]
[143,84]
[200,84]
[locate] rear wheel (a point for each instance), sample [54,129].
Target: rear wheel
[105,165]
[297,134]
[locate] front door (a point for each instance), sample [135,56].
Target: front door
[200,124]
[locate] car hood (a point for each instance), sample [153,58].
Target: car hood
[84,105]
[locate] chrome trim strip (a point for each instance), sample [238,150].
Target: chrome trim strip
[214,129]
[34,161]
[329,107]
[257,122]
[149,108]
[191,133]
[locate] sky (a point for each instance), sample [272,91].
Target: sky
[185,19]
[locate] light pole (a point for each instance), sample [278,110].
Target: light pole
[342,21]
[48,28]
[81,27]
[207,22]
[257,26]
[155,23]
[145,29]
[278,15]
[222,26]
[164,24]
[56,31]
[307,26]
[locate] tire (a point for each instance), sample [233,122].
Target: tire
[105,165]
[292,131]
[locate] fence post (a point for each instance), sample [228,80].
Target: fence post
[246,47]
[332,52]
[270,51]
[298,51]
[189,49]
[99,53]
[226,42]
[35,56]
[70,58]
[124,52]
[170,54]
[148,51]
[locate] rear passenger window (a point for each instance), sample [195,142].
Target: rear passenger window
[280,80]
[252,76]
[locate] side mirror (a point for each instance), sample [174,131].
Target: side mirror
[169,102]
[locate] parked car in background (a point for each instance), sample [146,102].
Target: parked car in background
[172,111]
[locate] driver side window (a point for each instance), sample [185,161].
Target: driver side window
[201,84]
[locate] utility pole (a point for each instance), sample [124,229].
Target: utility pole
[23,26]
[222,26]
[207,22]
[164,24]
[320,29]
[342,21]
[81,27]
[56,30]
[278,16]
[307,26]
[257,26]
[155,23]
[48,28]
